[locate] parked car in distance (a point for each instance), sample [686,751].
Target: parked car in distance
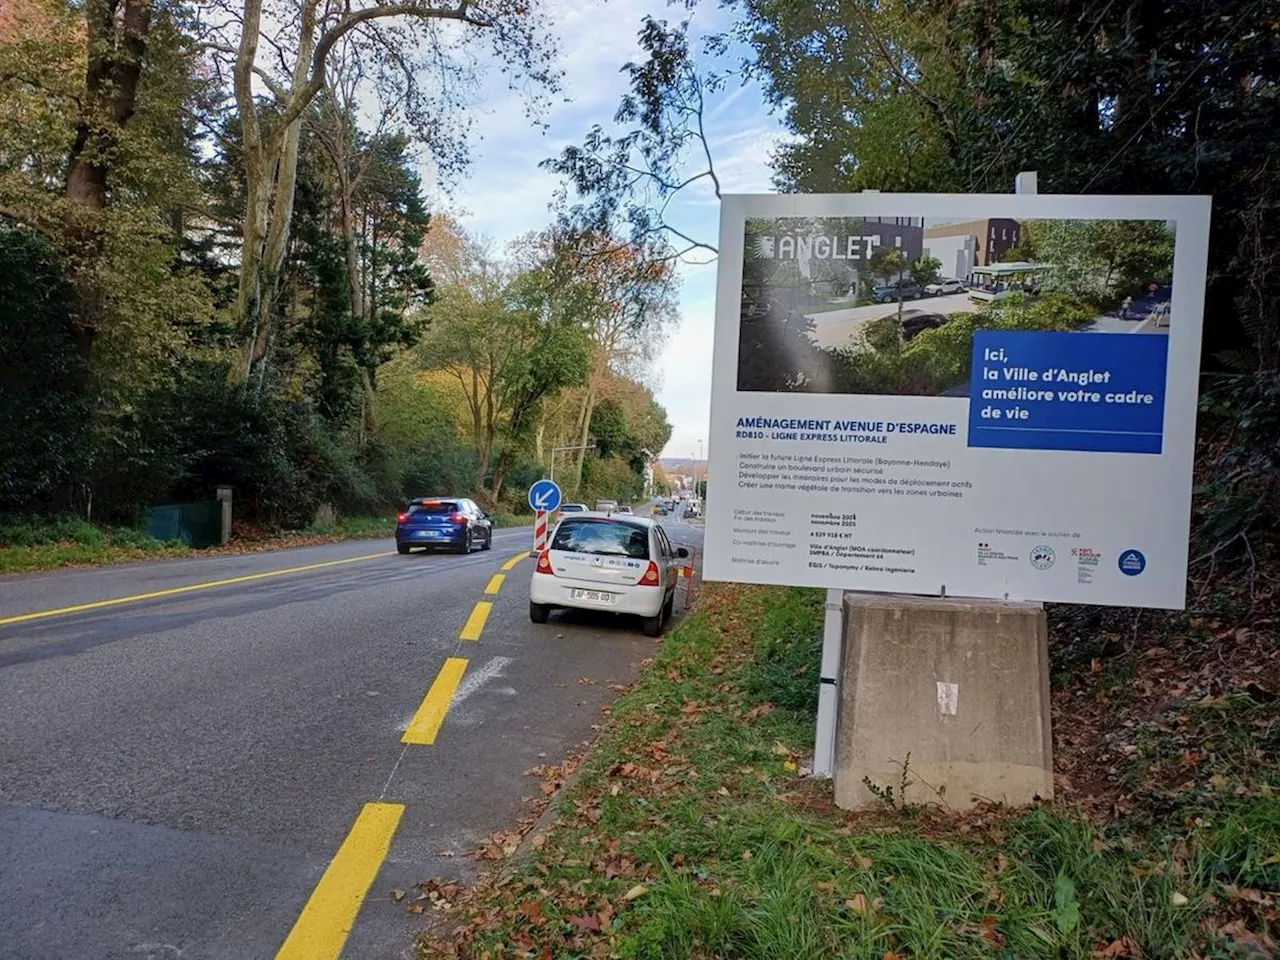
[616,564]
[944,286]
[454,522]
[915,322]
[659,510]
[606,506]
[573,508]
[624,510]
[896,291]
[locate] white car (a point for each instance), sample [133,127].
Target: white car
[617,564]
[940,287]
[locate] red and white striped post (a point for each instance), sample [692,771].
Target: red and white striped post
[544,498]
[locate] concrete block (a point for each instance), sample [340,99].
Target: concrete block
[961,685]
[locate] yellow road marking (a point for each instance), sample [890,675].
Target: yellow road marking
[510,564]
[426,722]
[495,583]
[475,623]
[189,588]
[326,920]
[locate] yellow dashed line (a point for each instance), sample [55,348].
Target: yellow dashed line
[190,588]
[326,920]
[426,722]
[510,564]
[495,583]
[475,623]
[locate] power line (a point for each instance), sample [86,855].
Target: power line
[1239,22]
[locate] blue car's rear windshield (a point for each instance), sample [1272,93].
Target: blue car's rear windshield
[432,508]
[603,537]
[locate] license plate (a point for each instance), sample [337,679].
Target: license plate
[599,596]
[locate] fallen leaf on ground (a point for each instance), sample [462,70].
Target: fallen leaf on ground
[639,890]
[857,903]
[532,910]
[1123,947]
[587,923]
[397,895]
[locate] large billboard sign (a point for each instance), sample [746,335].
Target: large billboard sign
[984,396]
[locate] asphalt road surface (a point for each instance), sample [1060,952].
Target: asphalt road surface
[213,769]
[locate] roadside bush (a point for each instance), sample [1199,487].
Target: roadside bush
[1237,504]
[44,411]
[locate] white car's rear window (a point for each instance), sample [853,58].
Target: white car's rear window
[609,538]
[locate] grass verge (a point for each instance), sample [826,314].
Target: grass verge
[49,543]
[689,834]
[46,544]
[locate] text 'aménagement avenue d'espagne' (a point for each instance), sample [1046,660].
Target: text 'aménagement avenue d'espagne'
[835,431]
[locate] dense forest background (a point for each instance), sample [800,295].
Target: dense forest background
[214,270]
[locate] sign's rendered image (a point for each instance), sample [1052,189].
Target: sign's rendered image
[984,396]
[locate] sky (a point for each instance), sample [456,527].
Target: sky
[505,194]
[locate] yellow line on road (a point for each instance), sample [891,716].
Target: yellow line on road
[495,583]
[326,920]
[510,564]
[189,588]
[426,722]
[475,623]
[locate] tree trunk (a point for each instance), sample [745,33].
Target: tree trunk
[116,47]
[271,174]
[584,430]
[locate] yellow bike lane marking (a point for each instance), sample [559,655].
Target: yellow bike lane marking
[189,588]
[323,926]
[325,922]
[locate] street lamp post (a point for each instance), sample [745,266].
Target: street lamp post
[572,446]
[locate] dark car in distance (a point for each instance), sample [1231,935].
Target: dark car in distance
[915,322]
[432,523]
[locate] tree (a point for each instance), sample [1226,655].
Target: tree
[926,270]
[1118,98]
[625,182]
[622,294]
[302,46]
[93,152]
[507,347]
[887,264]
[1100,261]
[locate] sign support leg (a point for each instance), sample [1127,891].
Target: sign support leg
[824,745]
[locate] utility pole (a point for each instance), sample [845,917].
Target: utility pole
[574,446]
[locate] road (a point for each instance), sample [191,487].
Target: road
[837,328]
[217,761]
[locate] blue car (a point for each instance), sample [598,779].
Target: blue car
[455,523]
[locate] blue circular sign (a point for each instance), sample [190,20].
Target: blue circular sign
[544,495]
[1132,563]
